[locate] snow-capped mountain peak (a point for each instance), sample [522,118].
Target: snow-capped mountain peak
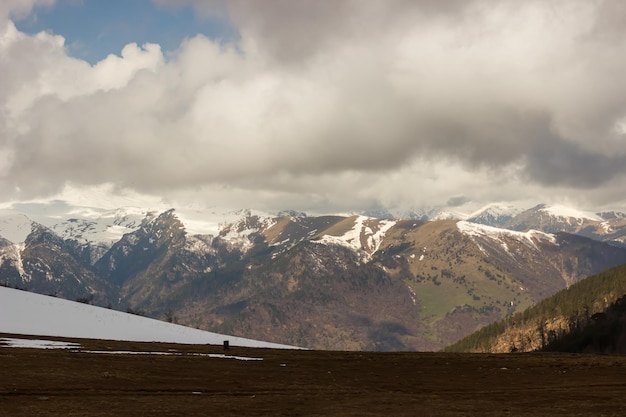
[87,225]
[554,218]
[495,214]
[565,212]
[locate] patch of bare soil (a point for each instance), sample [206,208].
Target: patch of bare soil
[36,382]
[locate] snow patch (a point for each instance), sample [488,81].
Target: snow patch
[134,352]
[361,238]
[479,230]
[37,344]
[412,295]
[89,225]
[13,255]
[568,212]
[52,344]
[606,227]
[238,233]
[198,246]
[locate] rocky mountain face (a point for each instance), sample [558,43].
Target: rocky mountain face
[328,282]
[48,264]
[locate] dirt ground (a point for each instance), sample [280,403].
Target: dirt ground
[186,382]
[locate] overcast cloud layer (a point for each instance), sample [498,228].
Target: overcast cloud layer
[330,106]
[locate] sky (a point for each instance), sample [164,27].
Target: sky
[322,107]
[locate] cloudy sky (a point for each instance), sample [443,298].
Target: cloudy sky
[321,106]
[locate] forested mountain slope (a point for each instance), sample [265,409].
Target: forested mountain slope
[588,316]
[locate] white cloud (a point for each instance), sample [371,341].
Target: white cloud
[331,107]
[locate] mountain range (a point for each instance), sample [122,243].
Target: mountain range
[329,282]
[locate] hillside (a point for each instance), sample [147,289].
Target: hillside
[26,313]
[589,316]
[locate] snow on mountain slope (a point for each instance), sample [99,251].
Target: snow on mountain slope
[557,218]
[496,214]
[83,224]
[496,233]
[239,225]
[11,255]
[26,313]
[366,235]
[91,225]
[211,221]
[569,213]
[87,224]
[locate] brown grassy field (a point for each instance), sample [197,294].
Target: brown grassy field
[36,382]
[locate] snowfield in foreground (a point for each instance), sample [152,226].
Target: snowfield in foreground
[26,313]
